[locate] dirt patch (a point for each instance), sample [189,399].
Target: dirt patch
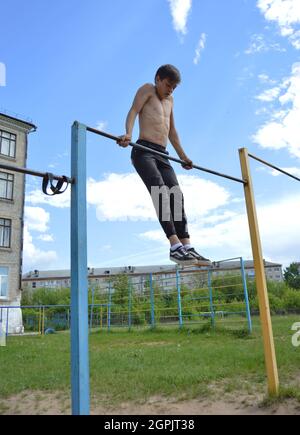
[43,403]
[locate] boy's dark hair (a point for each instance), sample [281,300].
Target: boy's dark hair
[168,72]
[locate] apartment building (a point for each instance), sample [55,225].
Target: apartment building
[13,151]
[98,277]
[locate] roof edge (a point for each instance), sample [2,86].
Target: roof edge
[29,124]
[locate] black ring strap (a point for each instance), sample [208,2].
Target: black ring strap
[56,189]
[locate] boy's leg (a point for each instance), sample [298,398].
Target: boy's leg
[178,212]
[176,200]
[146,166]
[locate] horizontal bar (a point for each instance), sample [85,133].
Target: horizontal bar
[182,162]
[273,167]
[24,307]
[227,259]
[32,172]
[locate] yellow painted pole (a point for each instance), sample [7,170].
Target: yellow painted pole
[261,284]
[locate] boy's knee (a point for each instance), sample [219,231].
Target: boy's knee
[156,181]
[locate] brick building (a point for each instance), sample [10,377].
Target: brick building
[13,151]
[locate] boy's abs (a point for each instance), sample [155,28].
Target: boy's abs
[154,121]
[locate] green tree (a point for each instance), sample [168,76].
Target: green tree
[121,290]
[292,275]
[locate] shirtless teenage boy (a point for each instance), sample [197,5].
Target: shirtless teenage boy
[154,105]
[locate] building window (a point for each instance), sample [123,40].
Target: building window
[5,232]
[7,144]
[6,185]
[34,285]
[3,282]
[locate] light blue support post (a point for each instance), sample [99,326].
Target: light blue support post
[129,304]
[179,298]
[92,308]
[79,281]
[248,314]
[109,306]
[212,313]
[152,302]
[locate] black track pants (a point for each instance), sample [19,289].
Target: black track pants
[161,181]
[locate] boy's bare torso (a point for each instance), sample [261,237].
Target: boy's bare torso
[154,118]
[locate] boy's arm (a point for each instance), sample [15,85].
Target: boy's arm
[139,101]
[175,141]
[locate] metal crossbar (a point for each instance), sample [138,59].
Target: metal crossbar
[273,167]
[33,172]
[182,162]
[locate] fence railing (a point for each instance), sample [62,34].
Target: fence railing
[193,296]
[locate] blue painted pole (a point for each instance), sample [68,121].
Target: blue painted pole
[212,313]
[129,304]
[179,298]
[92,308]
[152,302]
[248,314]
[79,282]
[109,306]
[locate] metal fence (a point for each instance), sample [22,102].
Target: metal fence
[181,298]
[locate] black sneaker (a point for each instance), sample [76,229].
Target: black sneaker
[201,261]
[181,256]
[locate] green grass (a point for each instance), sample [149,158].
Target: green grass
[192,362]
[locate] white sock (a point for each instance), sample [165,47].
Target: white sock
[174,247]
[188,246]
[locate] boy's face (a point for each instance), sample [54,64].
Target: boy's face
[164,87]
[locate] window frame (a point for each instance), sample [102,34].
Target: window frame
[12,139]
[4,296]
[12,181]
[10,230]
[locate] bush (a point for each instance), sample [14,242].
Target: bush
[292,299]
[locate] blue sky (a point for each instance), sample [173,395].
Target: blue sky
[66,61]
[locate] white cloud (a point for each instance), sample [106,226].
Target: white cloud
[270,94]
[295,39]
[286,13]
[200,48]
[33,257]
[36,196]
[180,10]
[46,238]
[121,197]
[264,78]
[36,219]
[293,171]
[260,45]
[283,129]
[279,226]
[101,125]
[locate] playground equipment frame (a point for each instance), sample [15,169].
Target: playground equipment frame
[79,280]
